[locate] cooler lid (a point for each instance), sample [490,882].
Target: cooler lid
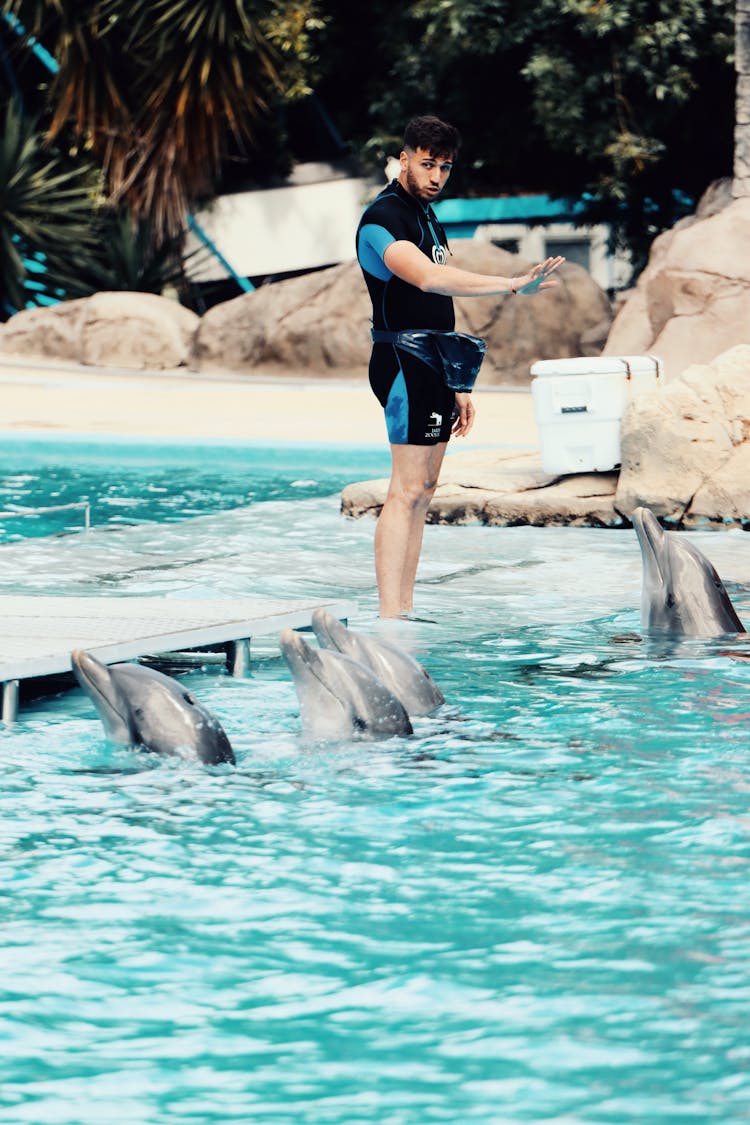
[644,363]
[599,365]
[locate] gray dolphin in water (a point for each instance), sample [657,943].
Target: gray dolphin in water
[142,707]
[682,594]
[396,668]
[340,698]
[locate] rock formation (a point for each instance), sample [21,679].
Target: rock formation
[502,489]
[692,301]
[317,324]
[686,447]
[134,330]
[320,323]
[685,454]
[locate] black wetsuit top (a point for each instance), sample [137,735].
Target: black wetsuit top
[419,408]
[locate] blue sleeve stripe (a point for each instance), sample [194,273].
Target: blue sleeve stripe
[371,245]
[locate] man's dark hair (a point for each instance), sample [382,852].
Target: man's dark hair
[433,136]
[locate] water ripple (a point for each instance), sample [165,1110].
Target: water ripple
[535,909]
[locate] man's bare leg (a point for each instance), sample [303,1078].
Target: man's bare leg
[398,535]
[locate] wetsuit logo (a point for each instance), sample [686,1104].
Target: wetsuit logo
[438,255]
[434,422]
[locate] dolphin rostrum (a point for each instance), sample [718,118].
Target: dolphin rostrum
[142,707]
[681,594]
[397,669]
[340,698]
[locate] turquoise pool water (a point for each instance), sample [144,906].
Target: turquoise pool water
[128,482]
[534,910]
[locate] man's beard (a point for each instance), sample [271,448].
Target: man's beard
[414,188]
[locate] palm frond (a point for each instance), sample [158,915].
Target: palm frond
[153,89]
[46,208]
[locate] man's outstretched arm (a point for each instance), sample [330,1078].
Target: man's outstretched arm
[411,265]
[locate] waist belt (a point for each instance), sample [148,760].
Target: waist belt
[455,356]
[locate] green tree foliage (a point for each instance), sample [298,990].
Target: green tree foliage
[152,93]
[46,205]
[641,93]
[152,89]
[626,103]
[622,102]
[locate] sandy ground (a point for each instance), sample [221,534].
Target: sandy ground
[53,398]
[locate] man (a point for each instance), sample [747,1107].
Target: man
[403,252]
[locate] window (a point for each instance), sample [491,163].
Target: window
[576,250]
[509,244]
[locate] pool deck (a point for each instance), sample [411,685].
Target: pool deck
[38,634]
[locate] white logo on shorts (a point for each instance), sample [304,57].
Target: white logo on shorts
[434,422]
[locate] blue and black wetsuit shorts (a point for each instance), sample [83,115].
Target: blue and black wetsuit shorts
[419,407]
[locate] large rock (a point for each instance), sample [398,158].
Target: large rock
[503,490]
[45,332]
[137,330]
[320,323]
[572,319]
[692,302]
[686,446]
[132,330]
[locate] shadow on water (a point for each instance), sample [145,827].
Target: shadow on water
[476,570]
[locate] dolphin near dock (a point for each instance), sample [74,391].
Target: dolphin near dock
[396,668]
[339,697]
[682,595]
[144,708]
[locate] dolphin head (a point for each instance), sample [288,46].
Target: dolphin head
[339,697]
[142,707]
[681,594]
[397,669]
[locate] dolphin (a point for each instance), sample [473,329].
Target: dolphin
[682,594]
[397,669]
[340,698]
[142,707]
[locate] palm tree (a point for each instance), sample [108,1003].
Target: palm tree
[741,184]
[153,88]
[46,205]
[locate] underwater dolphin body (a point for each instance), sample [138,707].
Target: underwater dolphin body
[396,668]
[142,707]
[681,594]
[340,698]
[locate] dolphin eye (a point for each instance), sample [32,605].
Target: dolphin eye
[670,600]
[189,697]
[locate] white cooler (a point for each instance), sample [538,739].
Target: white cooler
[578,404]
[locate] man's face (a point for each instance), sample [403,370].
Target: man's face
[423,174]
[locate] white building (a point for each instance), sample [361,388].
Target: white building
[311,222]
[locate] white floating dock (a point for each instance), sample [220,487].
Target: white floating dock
[37,634]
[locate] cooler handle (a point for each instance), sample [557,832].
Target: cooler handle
[657,362]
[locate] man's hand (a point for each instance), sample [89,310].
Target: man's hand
[537,276]
[466,412]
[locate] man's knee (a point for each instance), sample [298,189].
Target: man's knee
[413,493]
[414,475]
[429,486]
